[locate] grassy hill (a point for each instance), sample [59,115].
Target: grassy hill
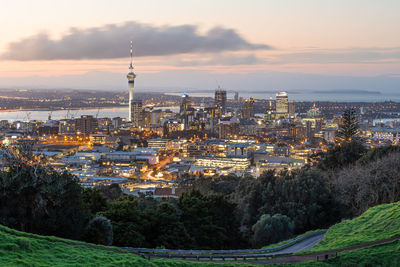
[379,222]
[24,249]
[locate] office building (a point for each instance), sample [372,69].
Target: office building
[236,97]
[282,106]
[248,109]
[291,109]
[86,125]
[220,100]
[186,104]
[136,113]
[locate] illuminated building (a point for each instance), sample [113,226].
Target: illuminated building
[86,125]
[186,111]
[172,126]
[270,112]
[136,113]
[278,163]
[281,106]
[239,164]
[228,127]
[186,104]
[116,122]
[314,116]
[156,116]
[220,100]
[248,108]
[386,134]
[159,143]
[291,109]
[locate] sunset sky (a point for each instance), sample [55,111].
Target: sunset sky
[58,38]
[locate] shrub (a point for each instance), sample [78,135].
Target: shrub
[271,229]
[99,231]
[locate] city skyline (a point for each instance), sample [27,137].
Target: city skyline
[44,45]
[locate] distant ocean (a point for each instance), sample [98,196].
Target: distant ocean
[340,96]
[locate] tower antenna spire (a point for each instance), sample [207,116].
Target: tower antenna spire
[131,53]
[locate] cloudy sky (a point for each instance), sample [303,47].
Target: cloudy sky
[214,39]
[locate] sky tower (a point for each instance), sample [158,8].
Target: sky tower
[131,81]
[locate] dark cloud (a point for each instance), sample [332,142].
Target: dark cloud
[112,41]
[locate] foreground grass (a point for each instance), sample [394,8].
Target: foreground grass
[379,222]
[24,249]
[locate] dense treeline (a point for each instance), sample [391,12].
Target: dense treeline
[303,196]
[36,200]
[193,221]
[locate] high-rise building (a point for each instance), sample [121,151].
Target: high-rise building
[86,124]
[248,108]
[281,106]
[236,97]
[270,111]
[220,100]
[186,104]
[186,111]
[131,81]
[292,109]
[228,127]
[136,113]
[116,122]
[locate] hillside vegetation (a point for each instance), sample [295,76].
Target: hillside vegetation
[380,255]
[25,249]
[379,222]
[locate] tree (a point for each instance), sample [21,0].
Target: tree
[377,153]
[209,220]
[349,128]
[99,231]
[304,196]
[165,228]
[360,187]
[271,229]
[95,200]
[111,192]
[127,221]
[338,157]
[35,199]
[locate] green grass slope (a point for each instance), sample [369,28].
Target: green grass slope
[379,222]
[380,255]
[24,249]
